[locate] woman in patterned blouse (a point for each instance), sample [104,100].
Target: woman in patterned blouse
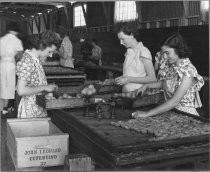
[31,76]
[180,81]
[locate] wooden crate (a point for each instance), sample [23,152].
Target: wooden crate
[148,100]
[104,88]
[60,103]
[109,89]
[36,142]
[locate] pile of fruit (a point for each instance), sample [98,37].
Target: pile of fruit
[89,90]
[168,125]
[49,96]
[66,96]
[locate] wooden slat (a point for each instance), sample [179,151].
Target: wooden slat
[101,141]
[160,156]
[115,135]
[170,163]
[84,141]
[85,130]
[164,143]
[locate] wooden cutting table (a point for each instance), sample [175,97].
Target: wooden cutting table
[115,148]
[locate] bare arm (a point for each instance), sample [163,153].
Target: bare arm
[158,84]
[174,101]
[24,90]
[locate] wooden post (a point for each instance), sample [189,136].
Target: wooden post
[78,162]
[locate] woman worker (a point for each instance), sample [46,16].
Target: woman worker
[11,48]
[66,49]
[181,83]
[138,68]
[31,76]
[96,56]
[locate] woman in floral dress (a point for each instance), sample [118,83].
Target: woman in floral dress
[31,76]
[180,81]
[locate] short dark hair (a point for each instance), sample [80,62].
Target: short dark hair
[13,26]
[177,42]
[44,40]
[61,31]
[129,28]
[95,41]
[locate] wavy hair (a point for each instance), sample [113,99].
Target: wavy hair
[129,28]
[177,42]
[44,40]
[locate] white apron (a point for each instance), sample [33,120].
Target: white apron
[7,78]
[28,107]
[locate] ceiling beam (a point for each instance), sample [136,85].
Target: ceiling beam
[26,6]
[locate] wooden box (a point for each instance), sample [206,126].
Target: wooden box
[60,103]
[109,89]
[103,87]
[152,96]
[36,142]
[148,100]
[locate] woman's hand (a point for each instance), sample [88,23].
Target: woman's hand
[122,80]
[142,89]
[139,114]
[51,87]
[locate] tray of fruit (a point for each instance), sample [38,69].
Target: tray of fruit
[151,96]
[106,86]
[60,100]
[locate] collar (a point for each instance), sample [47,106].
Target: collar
[33,56]
[182,64]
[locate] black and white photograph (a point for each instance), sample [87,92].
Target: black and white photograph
[97,85]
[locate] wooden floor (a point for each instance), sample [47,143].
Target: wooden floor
[7,163]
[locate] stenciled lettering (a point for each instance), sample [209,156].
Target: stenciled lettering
[45,157]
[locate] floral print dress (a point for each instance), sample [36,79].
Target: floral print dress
[172,78]
[30,69]
[164,65]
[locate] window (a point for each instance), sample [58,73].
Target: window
[79,19]
[205,6]
[125,11]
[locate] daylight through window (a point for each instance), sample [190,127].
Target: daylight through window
[125,11]
[79,19]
